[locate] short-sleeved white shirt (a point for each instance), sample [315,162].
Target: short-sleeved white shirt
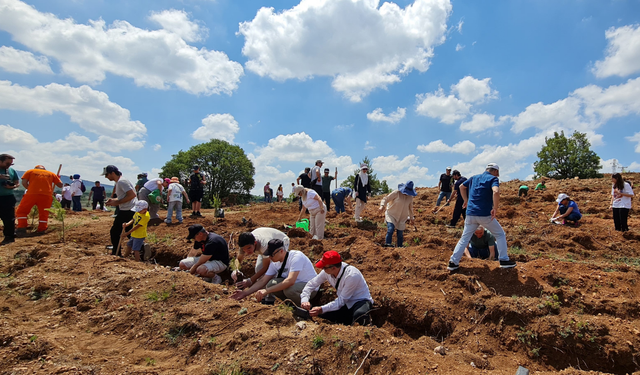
[311,203]
[296,261]
[623,202]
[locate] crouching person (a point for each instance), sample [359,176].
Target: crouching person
[354,300]
[482,245]
[209,257]
[286,277]
[258,242]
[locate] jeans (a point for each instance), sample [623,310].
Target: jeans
[177,206]
[620,219]
[359,312]
[338,200]
[390,229]
[457,211]
[442,195]
[573,216]
[123,216]
[471,223]
[77,206]
[8,215]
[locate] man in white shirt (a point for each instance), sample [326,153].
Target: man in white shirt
[76,192]
[354,299]
[257,242]
[66,196]
[286,277]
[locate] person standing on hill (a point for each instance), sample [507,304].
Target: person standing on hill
[457,209]
[175,192]
[39,184]
[399,205]
[305,180]
[267,192]
[326,187]
[8,181]
[316,177]
[125,201]
[481,194]
[99,194]
[280,193]
[621,194]
[362,188]
[196,190]
[77,189]
[444,185]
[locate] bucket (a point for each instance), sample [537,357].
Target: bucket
[304,224]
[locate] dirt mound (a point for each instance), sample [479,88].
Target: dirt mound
[570,306]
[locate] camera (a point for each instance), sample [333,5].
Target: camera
[6,181]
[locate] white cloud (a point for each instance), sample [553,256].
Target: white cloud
[635,138]
[343,127]
[623,52]
[23,62]
[367,146]
[362,45]
[159,59]
[394,117]
[395,170]
[459,26]
[90,109]
[463,147]
[157,147]
[480,122]
[219,126]
[177,22]
[459,47]
[448,109]
[472,90]
[634,167]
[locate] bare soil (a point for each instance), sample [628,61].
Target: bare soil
[570,306]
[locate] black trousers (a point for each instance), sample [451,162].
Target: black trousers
[359,312]
[96,202]
[620,216]
[122,217]
[66,203]
[326,197]
[8,215]
[457,211]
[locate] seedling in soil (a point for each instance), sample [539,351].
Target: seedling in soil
[212,340]
[242,311]
[416,240]
[33,338]
[174,334]
[535,352]
[517,250]
[317,341]
[158,296]
[150,361]
[367,333]
[275,367]
[232,369]
[285,309]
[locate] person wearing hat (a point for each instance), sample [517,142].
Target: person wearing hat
[444,185]
[354,299]
[39,184]
[142,179]
[154,204]
[9,180]
[285,278]
[326,187]
[209,256]
[138,231]
[196,190]
[567,210]
[362,188]
[175,192]
[98,194]
[76,193]
[399,204]
[481,195]
[316,177]
[457,209]
[317,211]
[257,242]
[126,199]
[339,196]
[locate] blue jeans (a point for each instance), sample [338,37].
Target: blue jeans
[177,206]
[75,200]
[338,200]
[442,195]
[573,216]
[390,229]
[471,223]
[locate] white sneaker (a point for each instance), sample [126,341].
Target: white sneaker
[314,237]
[216,279]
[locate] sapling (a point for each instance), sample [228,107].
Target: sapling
[58,213]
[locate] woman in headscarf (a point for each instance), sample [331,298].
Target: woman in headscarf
[399,206]
[361,187]
[317,210]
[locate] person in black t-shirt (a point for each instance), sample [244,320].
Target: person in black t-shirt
[196,190]
[209,256]
[305,180]
[457,209]
[98,194]
[445,187]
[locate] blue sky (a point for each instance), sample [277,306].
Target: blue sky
[415,85]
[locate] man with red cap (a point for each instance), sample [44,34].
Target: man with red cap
[354,300]
[39,184]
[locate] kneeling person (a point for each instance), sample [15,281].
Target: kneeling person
[210,254]
[354,300]
[286,277]
[482,245]
[257,241]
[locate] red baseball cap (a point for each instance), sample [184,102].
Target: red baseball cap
[329,258]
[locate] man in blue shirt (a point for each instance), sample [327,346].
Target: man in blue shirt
[8,181]
[339,195]
[481,194]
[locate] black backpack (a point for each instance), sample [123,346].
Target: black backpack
[82,187]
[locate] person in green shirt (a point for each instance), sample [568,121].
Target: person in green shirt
[541,185]
[523,190]
[8,181]
[482,245]
[326,187]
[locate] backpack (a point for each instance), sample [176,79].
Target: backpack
[82,187]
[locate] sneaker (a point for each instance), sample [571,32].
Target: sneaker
[314,237]
[216,279]
[452,266]
[450,226]
[114,215]
[387,245]
[7,241]
[109,247]
[269,299]
[507,263]
[21,232]
[147,251]
[198,214]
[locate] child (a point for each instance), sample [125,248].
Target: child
[568,210]
[174,197]
[138,232]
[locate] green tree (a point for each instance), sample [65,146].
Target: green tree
[226,168]
[377,187]
[563,157]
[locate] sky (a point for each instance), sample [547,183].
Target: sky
[416,86]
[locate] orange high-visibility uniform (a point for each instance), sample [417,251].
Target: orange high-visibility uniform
[40,194]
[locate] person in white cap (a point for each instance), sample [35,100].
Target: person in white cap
[481,194]
[138,231]
[362,188]
[567,210]
[444,185]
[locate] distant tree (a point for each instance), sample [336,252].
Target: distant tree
[227,170]
[563,157]
[377,187]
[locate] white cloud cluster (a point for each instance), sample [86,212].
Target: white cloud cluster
[457,105]
[463,147]
[395,170]
[158,59]
[623,53]
[361,44]
[23,62]
[393,118]
[220,126]
[635,138]
[480,122]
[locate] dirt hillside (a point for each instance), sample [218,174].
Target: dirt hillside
[570,306]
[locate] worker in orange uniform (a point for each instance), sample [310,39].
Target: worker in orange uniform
[39,184]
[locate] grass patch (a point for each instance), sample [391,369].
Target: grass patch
[517,250]
[157,296]
[150,361]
